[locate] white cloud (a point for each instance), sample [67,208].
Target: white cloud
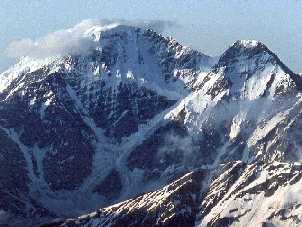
[73,40]
[69,41]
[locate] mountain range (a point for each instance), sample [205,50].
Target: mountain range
[143,131]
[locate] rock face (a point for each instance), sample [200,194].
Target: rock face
[171,135]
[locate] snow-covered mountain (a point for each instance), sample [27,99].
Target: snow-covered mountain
[173,136]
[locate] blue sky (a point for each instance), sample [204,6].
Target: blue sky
[208,25]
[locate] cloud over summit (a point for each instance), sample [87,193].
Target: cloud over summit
[73,40]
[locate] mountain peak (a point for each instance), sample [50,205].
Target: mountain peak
[248,52]
[252,71]
[255,53]
[247,43]
[245,48]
